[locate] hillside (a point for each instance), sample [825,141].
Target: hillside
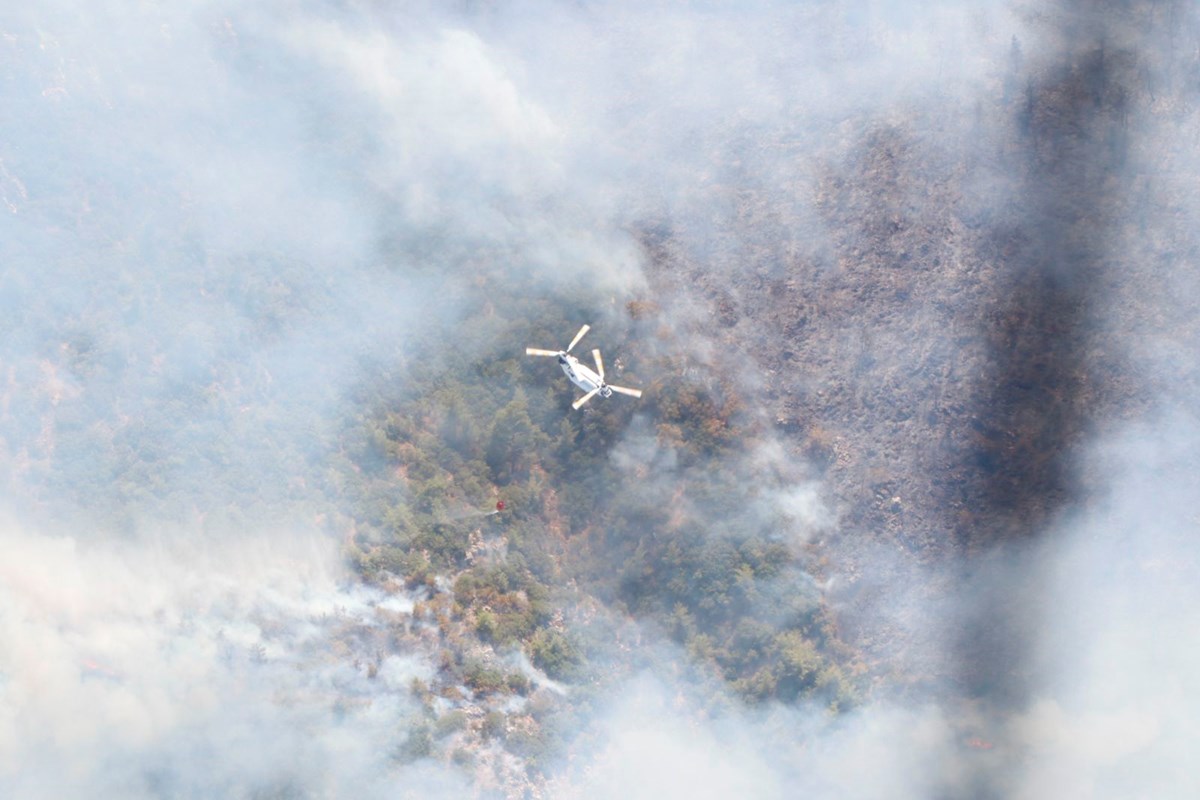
[906,509]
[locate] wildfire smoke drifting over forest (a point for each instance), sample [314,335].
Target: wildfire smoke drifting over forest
[906,509]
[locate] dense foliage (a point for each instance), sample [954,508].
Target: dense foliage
[652,510]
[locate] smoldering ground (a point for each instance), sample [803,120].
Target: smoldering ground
[219,219]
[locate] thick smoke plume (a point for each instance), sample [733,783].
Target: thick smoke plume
[181,670]
[942,252]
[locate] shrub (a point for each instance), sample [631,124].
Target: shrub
[554,654]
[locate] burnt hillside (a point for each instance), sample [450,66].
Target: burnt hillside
[946,342]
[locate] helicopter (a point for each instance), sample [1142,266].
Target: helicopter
[582,375]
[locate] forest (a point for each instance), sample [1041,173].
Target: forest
[654,512]
[906,509]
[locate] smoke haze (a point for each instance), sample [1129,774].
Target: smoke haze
[226,231]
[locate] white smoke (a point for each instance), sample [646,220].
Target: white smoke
[1115,714]
[212,216]
[250,666]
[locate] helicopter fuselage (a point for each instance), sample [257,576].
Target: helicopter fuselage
[581,375]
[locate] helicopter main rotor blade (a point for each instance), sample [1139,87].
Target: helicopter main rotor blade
[584,399]
[599,363]
[533,351]
[623,390]
[578,336]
